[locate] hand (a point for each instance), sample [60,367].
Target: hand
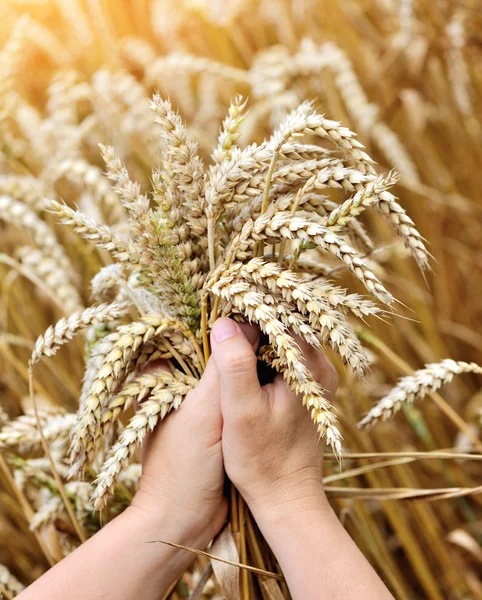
[271,448]
[182,467]
[179,499]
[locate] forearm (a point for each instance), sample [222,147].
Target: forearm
[316,554]
[118,563]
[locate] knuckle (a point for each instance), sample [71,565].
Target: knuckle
[240,364]
[325,373]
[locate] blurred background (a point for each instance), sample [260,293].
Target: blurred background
[405,76]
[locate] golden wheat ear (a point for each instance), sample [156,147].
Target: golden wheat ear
[415,387]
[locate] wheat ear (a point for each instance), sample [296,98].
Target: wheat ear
[20,215]
[283,225]
[299,304]
[89,229]
[138,390]
[230,129]
[22,433]
[46,269]
[289,361]
[65,329]
[416,386]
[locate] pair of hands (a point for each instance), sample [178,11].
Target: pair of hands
[262,437]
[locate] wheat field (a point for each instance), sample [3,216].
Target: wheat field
[309,166]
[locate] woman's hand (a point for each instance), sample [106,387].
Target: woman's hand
[272,452]
[182,466]
[180,500]
[273,456]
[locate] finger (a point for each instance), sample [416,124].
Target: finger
[235,362]
[156,365]
[206,392]
[251,333]
[320,367]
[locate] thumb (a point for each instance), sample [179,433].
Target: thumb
[235,361]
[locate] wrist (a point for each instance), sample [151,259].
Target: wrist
[161,510]
[150,530]
[291,504]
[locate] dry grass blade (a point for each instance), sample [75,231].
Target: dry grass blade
[426,495]
[228,562]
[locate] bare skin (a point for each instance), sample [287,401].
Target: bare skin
[264,440]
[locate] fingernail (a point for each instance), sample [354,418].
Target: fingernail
[251,332]
[224,329]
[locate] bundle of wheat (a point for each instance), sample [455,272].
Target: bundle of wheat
[227,240]
[260,234]
[269,186]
